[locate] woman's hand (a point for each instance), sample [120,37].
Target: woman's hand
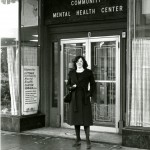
[74,86]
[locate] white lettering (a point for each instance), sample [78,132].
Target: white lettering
[85,12]
[61,14]
[102,10]
[121,8]
[111,9]
[72,3]
[79,2]
[117,8]
[75,3]
[84,2]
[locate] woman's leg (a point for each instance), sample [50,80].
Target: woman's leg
[78,139]
[87,134]
[77,130]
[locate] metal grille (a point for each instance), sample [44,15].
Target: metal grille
[103,112]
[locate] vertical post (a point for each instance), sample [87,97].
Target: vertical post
[19,47]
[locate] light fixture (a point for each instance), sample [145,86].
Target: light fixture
[35,35]
[34,40]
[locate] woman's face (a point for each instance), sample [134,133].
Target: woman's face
[79,63]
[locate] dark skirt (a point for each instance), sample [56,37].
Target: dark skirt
[80,113]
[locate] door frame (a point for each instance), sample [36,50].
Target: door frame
[88,41]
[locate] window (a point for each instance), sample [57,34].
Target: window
[19,62]
[138,89]
[9,57]
[30,57]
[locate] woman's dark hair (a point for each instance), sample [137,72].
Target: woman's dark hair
[85,65]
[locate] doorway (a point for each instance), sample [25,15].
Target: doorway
[103,57]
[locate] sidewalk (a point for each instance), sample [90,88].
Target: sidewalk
[70,133]
[33,140]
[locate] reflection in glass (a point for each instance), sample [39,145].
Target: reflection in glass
[104,108]
[138,91]
[70,52]
[104,68]
[29,23]
[9,55]
[29,56]
[103,57]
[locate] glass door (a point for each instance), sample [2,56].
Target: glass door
[70,49]
[102,55]
[105,66]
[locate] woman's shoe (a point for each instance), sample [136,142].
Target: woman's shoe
[88,145]
[76,144]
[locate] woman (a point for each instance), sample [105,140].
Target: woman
[80,112]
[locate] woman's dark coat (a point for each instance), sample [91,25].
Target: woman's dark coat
[80,111]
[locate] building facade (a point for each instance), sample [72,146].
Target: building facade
[36,55]
[137,126]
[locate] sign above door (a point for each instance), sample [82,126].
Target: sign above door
[71,11]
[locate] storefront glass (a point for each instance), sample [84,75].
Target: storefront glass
[9,57]
[138,89]
[29,57]
[19,57]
